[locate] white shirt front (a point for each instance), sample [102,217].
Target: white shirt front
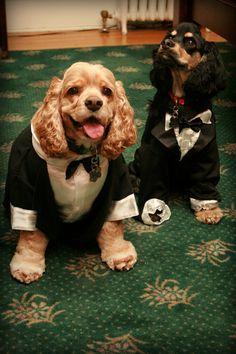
[187,138]
[75,195]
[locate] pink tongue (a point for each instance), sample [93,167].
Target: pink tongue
[94,130]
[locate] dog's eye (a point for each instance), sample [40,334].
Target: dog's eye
[73,91]
[107,91]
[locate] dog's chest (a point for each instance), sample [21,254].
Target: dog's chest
[187,137]
[75,196]
[76,193]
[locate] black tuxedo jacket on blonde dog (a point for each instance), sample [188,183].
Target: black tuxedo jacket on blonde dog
[66,172]
[178,148]
[30,198]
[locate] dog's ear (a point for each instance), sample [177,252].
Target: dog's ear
[209,76]
[47,123]
[122,132]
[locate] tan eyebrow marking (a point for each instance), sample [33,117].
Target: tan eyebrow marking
[173,33]
[188,34]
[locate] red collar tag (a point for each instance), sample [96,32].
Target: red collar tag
[178,101]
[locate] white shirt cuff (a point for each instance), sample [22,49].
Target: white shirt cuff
[123,209]
[23,219]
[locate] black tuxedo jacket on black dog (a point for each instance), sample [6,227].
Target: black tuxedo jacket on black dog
[161,164]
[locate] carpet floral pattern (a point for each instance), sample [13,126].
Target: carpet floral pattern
[181,295]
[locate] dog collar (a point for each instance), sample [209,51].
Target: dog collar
[91,165]
[178,101]
[80,150]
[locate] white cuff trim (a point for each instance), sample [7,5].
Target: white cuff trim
[23,219]
[198,205]
[123,209]
[159,208]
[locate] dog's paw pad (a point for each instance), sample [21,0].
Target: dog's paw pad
[26,278]
[123,258]
[212,216]
[123,264]
[26,270]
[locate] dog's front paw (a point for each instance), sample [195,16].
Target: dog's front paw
[123,257]
[26,271]
[211,216]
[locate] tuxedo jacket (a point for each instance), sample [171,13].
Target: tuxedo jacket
[28,187]
[162,164]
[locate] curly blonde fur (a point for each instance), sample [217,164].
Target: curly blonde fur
[122,132]
[65,111]
[48,125]
[88,108]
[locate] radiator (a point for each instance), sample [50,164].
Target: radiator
[144,10]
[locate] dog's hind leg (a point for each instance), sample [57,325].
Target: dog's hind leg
[116,252]
[28,262]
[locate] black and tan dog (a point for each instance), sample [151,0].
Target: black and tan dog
[178,147]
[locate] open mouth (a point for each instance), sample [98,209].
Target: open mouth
[91,127]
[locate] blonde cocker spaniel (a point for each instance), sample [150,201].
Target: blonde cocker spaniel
[67,173]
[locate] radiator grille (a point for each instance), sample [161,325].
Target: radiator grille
[145,10]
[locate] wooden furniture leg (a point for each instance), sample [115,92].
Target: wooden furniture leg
[3,31]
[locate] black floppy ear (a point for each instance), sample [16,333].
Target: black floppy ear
[160,75]
[209,76]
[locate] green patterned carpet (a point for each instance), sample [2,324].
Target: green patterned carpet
[181,295]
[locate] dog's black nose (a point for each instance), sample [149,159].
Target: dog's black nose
[169,43]
[93,103]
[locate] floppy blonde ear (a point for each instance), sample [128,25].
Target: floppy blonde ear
[47,123]
[122,131]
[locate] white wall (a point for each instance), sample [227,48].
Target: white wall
[56,15]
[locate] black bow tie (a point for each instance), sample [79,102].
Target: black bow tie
[195,124]
[91,165]
[73,165]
